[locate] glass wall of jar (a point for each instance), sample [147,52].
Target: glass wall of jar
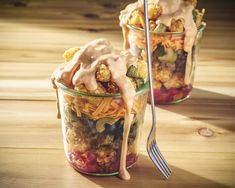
[92,126]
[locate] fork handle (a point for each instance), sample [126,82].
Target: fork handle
[149,61]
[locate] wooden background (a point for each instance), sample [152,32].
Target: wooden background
[197,136]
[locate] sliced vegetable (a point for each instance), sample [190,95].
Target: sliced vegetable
[194,12]
[169,57]
[160,28]
[100,124]
[158,52]
[139,72]
[87,121]
[70,115]
[139,82]
[132,71]
[77,124]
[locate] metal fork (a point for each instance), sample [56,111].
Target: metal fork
[152,148]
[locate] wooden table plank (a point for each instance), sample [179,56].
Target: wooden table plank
[31,150]
[34,125]
[38,168]
[26,81]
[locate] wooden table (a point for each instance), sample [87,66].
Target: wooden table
[197,136]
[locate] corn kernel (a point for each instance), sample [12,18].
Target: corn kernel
[69,53]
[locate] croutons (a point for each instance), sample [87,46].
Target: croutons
[105,156]
[163,74]
[176,81]
[137,19]
[103,73]
[177,25]
[154,11]
[157,85]
[74,143]
[69,53]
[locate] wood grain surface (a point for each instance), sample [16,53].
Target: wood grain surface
[34,34]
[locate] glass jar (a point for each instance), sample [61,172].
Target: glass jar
[92,126]
[170,81]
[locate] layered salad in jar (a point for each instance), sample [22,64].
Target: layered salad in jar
[176,28]
[101,106]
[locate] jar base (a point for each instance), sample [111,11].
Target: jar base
[172,102]
[171,96]
[99,174]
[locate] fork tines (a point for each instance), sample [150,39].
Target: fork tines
[158,159]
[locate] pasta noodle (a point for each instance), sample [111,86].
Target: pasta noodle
[100,107]
[97,108]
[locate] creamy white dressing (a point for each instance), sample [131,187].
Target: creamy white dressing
[84,57]
[170,9]
[124,17]
[184,10]
[81,70]
[118,70]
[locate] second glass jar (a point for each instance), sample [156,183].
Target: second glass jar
[168,62]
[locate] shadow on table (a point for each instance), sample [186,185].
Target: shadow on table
[144,174]
[206,106]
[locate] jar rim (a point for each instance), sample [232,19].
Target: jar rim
[199,29]
[142,89]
